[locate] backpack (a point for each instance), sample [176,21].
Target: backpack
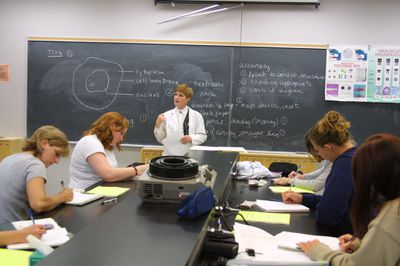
[197,203]
[283,167]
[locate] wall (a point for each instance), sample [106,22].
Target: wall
[334,22]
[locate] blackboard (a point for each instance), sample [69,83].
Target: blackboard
[259,98]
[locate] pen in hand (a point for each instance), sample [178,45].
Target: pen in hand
[30,211]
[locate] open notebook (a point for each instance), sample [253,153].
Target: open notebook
[83,198]
[53,237]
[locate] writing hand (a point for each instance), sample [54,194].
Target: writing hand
[36,230]
[293,174]
[67,194]
[291,197]
[348,243]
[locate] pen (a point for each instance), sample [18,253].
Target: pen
[109,200]
[30,211]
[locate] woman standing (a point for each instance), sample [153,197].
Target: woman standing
[182,127]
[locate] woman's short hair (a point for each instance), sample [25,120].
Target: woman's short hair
[331,128]
[53,135]
[376,178]
[104,126]
[185,89]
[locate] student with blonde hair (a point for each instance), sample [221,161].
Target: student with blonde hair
[93,157]
[186,123]
[315,180]
[375,209]
[23,176]
[331,139]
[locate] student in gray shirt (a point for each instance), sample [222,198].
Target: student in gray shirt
[23,176]
[315,180]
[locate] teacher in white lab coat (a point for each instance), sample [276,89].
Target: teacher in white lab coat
[182,127]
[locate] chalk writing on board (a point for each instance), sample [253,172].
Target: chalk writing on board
[260,98]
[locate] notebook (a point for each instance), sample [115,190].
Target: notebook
[289,240]
[80,199]
[278,206]
[53,237]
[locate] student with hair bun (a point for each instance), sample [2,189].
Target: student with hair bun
[331,139]
[375,209]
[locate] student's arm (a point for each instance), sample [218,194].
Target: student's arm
[101,166]
[19,236]
[38,199]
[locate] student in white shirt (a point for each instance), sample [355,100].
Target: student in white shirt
[93,158]
[182,122]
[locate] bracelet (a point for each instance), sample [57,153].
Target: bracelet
[135,170]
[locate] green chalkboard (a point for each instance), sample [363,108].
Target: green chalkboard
[260,98]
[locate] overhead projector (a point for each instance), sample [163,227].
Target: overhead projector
[172,178]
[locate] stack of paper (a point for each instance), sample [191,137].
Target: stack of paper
[280,189]
[266,249]
[14,257]
[108,191]
[278,206]
[53,237]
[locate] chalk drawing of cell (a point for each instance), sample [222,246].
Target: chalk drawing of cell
[96,82]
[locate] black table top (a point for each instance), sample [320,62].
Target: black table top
[132,232]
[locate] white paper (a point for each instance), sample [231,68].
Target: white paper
[53,237]
[82,198]
[266,249]
[277,206]
[22,224]
[289,240]
[174,145]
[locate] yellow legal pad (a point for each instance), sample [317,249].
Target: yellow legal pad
[14,257]
[264,217]
[108,191]
[279,189]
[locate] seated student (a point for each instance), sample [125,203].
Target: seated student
[23,176]
[315,180]
[331,139]
[19,236]
[376,172]
[93,158]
